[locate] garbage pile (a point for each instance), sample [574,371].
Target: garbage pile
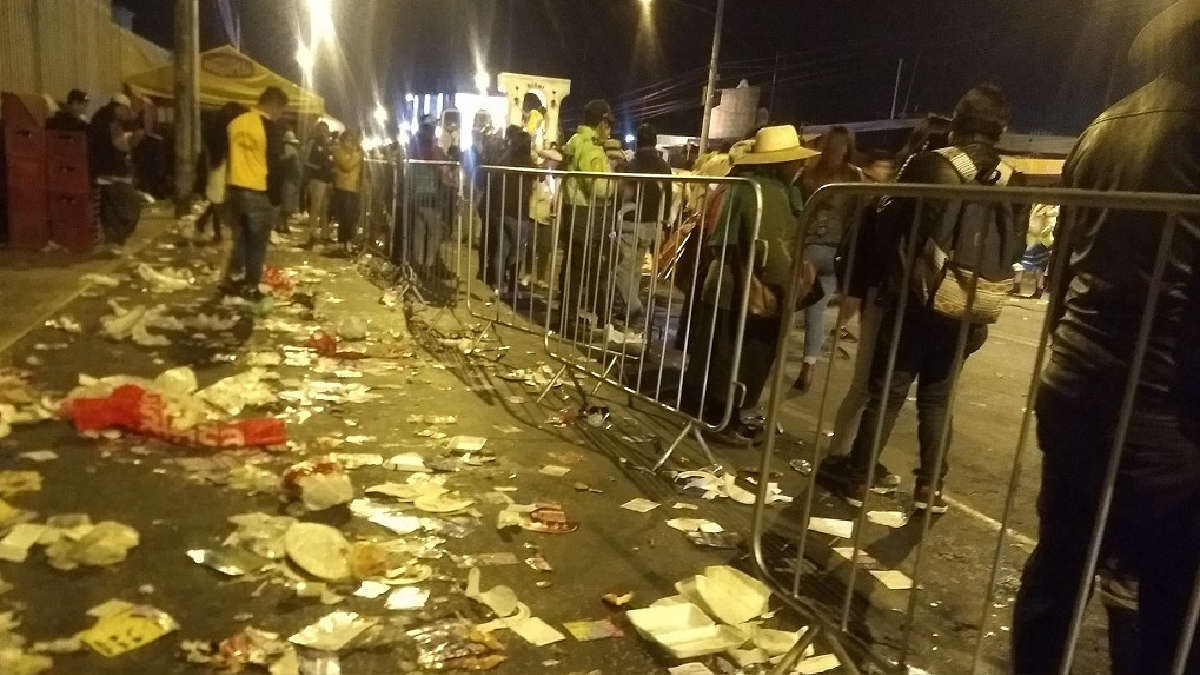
[19,402]
[353,536]
[683,625]
[173,408]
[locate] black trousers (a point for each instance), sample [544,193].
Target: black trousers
[1153,531]
[710,351]
[926,355]
[584,277]
[345,212]
[120,209]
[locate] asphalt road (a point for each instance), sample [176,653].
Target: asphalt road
[141,483]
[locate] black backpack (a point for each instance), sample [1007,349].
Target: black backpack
[971,251]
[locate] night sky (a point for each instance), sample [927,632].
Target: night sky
[1060,61]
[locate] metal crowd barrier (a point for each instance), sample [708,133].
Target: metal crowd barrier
[836,621]
[426,245]
[378,203]
[514,213]
[621,295]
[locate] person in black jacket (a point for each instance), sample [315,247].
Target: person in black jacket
[318,168]
[72,116]
[1145,143]
[112,134]
[927,352]
[859,294]
[507,201]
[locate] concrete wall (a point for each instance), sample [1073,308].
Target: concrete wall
[53,46]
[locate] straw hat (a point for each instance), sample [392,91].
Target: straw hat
[1157,38]
[289,136]
[776,145]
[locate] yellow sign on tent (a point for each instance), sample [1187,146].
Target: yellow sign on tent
[229,75]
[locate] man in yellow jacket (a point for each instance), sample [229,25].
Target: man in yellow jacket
[253,215]
[347,176]
[587,212]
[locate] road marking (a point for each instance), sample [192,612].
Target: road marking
[1022,541]
[41,320]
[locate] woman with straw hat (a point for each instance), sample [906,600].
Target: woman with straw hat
[772,166]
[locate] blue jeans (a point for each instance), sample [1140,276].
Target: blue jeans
[821,256]
[507,253]
[252,220]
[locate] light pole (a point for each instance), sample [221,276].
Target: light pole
[710,90]
[187,107]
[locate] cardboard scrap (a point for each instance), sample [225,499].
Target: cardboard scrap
[586,631]
[371,589]
[832,526]
[694,668]
[640,505]
[893,519]
[894,580]
[730,595]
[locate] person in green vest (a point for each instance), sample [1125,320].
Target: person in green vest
[713,361]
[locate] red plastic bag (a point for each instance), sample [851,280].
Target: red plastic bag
[281,284]
[135,409]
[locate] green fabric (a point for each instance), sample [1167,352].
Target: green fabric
[781,206]
[585,152]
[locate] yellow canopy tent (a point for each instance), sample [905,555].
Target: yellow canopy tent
[229,75]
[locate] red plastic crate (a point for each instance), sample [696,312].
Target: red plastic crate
[25,110]
[25,173]
[24,141]
[68,177]
[67,146]
[70,218]
[28,228]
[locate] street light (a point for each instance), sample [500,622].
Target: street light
[381,115]
[304,57]
[710,90]
[320,20]
[483,81]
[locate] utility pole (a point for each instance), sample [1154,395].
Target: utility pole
[774,79]
[710,90]
[187,109]
[896,88]
[912,78]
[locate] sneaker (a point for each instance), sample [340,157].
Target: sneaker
[738,434]
[854,494]
[922,501]
[229,287]
[886,482]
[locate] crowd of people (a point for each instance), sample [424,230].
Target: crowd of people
[943,272]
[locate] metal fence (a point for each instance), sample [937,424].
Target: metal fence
[790,535]
[411,225]
[641,281]
[379,205]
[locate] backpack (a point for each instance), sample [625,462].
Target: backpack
[973,247]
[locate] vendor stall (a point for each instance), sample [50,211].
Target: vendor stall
[229,75]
